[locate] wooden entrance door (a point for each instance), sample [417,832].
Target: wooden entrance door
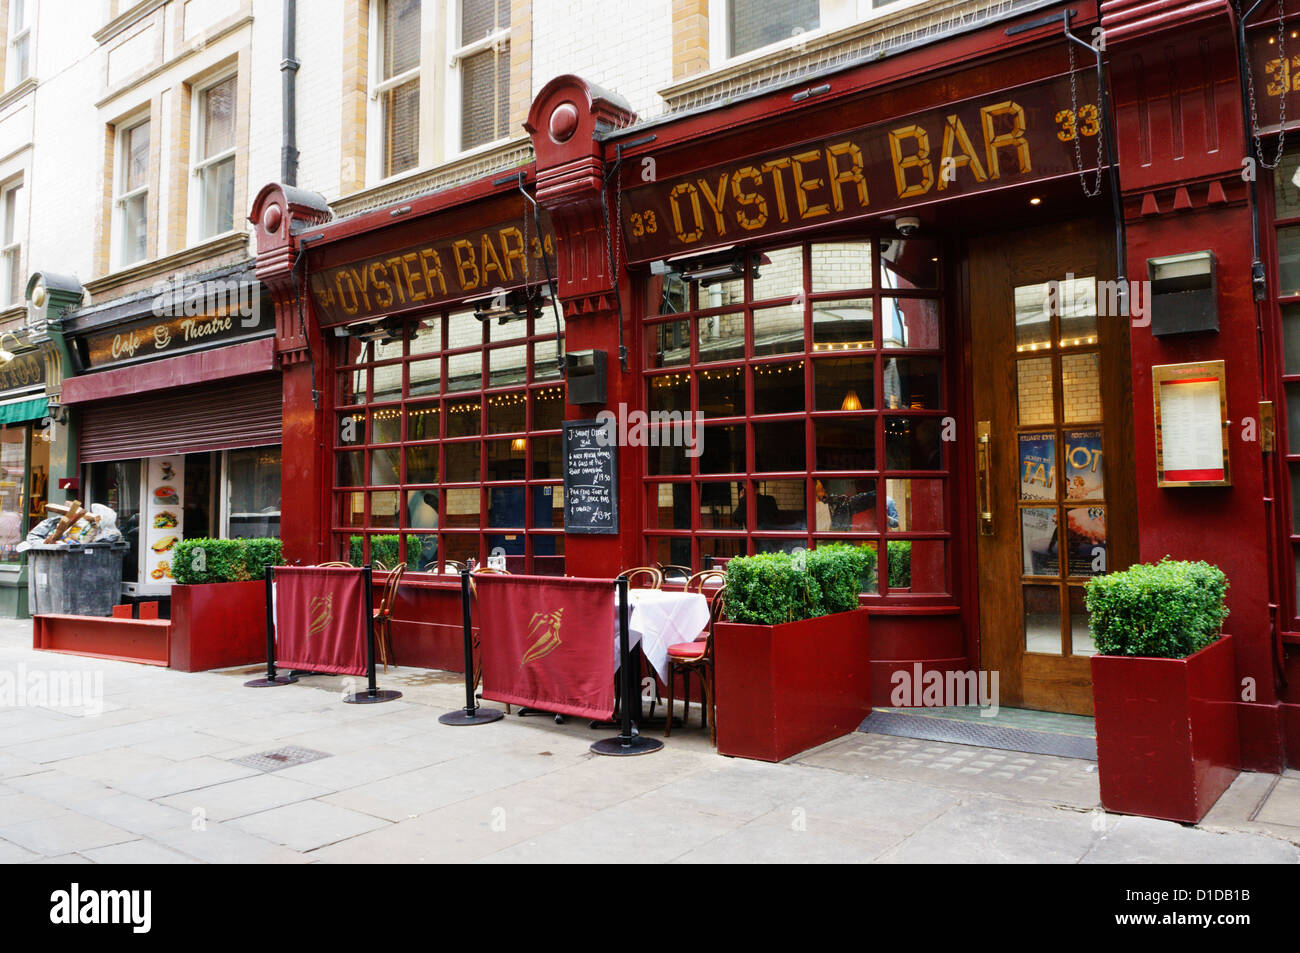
[1053,430]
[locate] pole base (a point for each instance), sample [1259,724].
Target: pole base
[372,698]
[479,716]
[271,682]
[639,744]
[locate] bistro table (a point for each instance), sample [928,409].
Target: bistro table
[661,618]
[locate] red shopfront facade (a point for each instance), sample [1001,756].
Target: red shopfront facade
[952,391]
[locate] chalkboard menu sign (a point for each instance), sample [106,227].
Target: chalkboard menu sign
[590,477]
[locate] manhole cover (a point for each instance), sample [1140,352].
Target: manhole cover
[278,758]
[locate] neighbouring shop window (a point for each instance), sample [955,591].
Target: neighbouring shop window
[397,91]
[131,203]
[757,23]
[117,485]
[821,377]
[447,444]
[214,158]
[253,492]
[481,51]
[11,247]
[18,60]
[13,479]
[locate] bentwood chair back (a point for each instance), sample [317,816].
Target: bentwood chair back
[674,573]
[336,564]
[706,577]
[653,577]
[384,614]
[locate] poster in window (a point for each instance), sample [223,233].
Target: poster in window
[1038,466]
[1083,465]
[1086,536]
[1039,541]
[164,520]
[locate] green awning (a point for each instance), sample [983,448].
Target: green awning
[34,408]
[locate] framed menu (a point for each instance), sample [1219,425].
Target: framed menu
[1191,403]
[163,521]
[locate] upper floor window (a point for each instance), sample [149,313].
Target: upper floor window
[213,160]
[738,28]
[11,251]
[131,199]
[397,91]
[18,57]
[753,24]
[481,55]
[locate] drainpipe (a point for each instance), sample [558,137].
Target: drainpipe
[289,87]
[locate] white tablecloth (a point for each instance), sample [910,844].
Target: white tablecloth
[660,619]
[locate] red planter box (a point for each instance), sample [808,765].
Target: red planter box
[1167,741]
[217,625]
[781,689]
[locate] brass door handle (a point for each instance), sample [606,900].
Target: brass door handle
[984,476]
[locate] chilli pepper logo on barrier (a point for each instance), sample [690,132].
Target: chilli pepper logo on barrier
[544,629]
[321,612]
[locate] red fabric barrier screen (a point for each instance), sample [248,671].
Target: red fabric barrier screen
[548,642]
[320,619]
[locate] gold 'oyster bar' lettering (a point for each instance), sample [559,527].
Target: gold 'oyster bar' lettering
[1015,136]
[483,261]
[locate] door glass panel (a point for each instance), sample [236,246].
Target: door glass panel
[1291,338]
[1080,636]
[1288,260]
[1081,387]
[1038,541]
[1076,303]
[1034,393]
[1033,317]
[1043,619]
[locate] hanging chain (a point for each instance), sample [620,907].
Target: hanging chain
[1285,69]
[1095,190]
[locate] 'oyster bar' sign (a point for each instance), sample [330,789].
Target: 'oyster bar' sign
[1004,138]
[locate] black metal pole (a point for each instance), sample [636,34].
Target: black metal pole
[366,576]
[625,661]
[471,714]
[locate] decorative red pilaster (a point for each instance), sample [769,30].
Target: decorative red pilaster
[564,121]
[280,215]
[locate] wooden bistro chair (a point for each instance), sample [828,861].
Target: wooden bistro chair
[337,564]
[384,614]
[706,577]
[674,573]
[654,578]
[688,657]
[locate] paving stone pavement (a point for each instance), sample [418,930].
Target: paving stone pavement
[146,770]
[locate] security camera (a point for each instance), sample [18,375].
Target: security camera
[908,226]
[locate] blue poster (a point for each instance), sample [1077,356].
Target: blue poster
[1038,466]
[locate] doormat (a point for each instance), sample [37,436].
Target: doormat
[1011,729]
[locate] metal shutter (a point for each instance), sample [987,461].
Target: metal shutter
[217,416]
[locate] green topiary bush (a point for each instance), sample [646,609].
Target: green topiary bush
[1168,609]
[196,561]
[840,570]
[769,589]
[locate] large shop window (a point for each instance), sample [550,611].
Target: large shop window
[24,485]
[447,444]
[820,374]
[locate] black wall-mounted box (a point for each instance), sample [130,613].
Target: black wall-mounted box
[1184,293]
[585,373]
